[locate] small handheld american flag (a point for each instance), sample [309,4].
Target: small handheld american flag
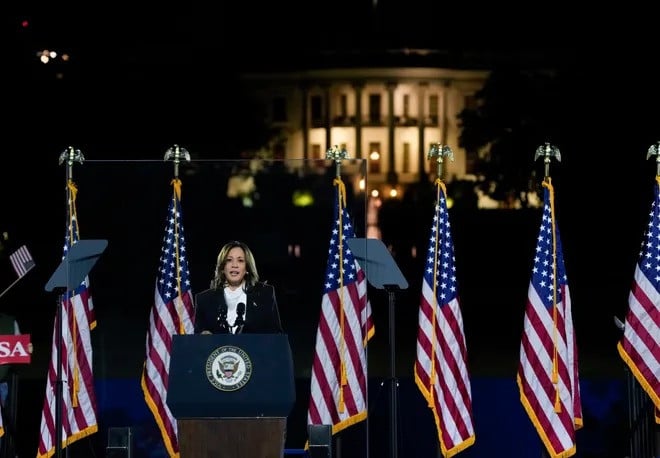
[22,261]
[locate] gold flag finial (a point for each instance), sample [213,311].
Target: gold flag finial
[176,153]
[337,154]
[547,151]
[439,152]
[70,155]
[654,150]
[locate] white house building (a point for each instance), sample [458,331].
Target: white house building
[388,115]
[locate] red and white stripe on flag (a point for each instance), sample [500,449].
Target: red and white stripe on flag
[78,396]
[333,402]
[21,261]
[639,346]
[548,369]
[172,313]
[78,402]
[339,371]
[441,372]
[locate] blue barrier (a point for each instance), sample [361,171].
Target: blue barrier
[500,421]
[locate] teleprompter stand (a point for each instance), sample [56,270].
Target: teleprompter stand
[68,276]
[383,273]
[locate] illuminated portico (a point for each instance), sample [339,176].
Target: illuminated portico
[390,116]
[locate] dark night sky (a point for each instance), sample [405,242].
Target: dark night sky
[121,49]
[143,79]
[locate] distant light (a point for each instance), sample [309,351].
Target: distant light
[374,193]
[25,24]
[46,55]
[374,156]
[394,192]
[361,185]
[303,198]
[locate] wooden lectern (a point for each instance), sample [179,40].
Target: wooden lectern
[232,437]
[231,394]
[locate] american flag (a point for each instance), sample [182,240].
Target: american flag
[78,408]
[639,346]
[339,371]
[548,370]
[172,313]
[441,372]
[22,261]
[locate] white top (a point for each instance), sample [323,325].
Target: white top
[233,298]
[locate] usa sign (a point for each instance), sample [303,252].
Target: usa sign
[14,349]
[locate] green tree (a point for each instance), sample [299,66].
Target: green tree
[516,111]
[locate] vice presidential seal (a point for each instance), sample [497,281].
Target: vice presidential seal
[228,368]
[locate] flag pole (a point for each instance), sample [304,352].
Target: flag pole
[15,281]
[654,150]
[439,152]
[337,155]
[176,153]
[171,298]
[547,152]
[642,430]
[338,397]
[69,155]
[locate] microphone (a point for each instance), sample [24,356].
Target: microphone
[222,318]
[240,317]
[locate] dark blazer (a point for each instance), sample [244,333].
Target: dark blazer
[261,313]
